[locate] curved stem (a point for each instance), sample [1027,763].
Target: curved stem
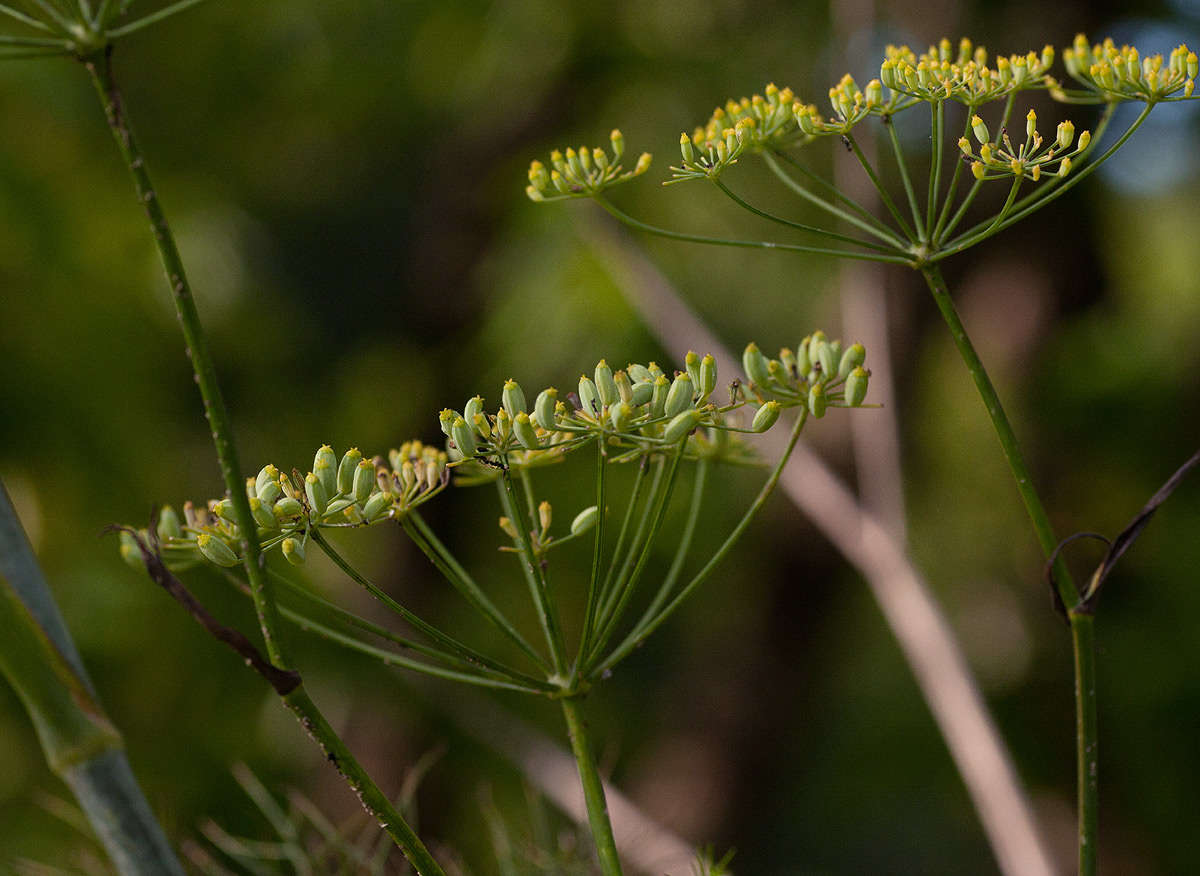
[868,221]
[884,196]
[750,244]
[632,641]
[1087,753]
[800,226]
[593,788]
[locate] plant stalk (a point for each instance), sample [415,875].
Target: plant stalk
[593,788]
[1087,741]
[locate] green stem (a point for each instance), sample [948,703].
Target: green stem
[636,638]
[750,244]
[884,196]
[949,202]
[800,226]
[865,220]
[1087,763]
[100,70]
[902,166]
[613,585]
[593,788]
[593,595]
[935,166]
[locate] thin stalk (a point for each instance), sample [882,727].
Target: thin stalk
[1087,751]
[1008,203]
[443,639]
[152,18]
[593,595]
[1037,200]
[681,551]
[949,202]
[99,68]
[634,640]
[750,244]
[593,788]
[612,593]
[29,20]
[425,538]
[935,165]
[902,165]
[639,481]
[870,223]
[799,226]
[884,196]
[537,573]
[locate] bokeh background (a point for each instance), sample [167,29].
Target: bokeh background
[346,180]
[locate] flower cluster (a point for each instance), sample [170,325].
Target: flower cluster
[999,159]
[354,491]
[816,375]
[583,173]
[851,105]
[1114,74]
[940,74]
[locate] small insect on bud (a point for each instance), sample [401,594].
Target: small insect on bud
[1030,125]
[686,150]
[679,398]
[168,524]
[682,426]
[585,520]
[624,386]
[854,356]
[262,514]
[754,363]
[509,529]
[377,507]
[318,496]
[980,130]
[325,468]
[545,515]
[817,401]
[856,386]
[363,482]
[619,415]
[658,396]
[588,397]
[708,375]
[293,551]
[512,397]
[287,508]
[346,469]
[543,408]
[463,437]
[523,429]
[605,385]
[766,417]
[216,550]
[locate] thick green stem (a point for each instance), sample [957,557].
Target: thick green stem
[100,69]
[593,788]
[1087,747]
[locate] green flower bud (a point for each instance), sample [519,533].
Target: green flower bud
[828,359]
[639,373]
[655,371]
[682,426]
[605,385]
[523,429]
[325,468]
[642,393]
[543,408]
[588,397]
[679,398]
[506,525]
[318,496]
[463,437]
[168,524]
[377,506]
[708,376]
[1084,139]
[512,397]
[445,418]
[1066,133]
[268,475]
[618,143]
[216,550]
[363,482]
[482,427]
[692,363]
[851,359]
[658,396]
[624,386]
[287,508]
[685,149]
[337,506]
[754,363]
[788,360]
[620,414]
[856,386]
[1193,65]
[980,130]
[130,552]
[977,169]
[803,362]
[585,520]
[293,551]
[1030,125]
[224,510]
[346,468]
[817,401]
[504,426]
[545,515]
[262,514]
[473,406]
[766,416]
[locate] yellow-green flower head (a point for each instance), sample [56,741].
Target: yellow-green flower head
[964,76]
[1120,74]
[582,173]
[817,375]
[769,123]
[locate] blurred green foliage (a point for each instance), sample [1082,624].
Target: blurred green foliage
[346,180]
